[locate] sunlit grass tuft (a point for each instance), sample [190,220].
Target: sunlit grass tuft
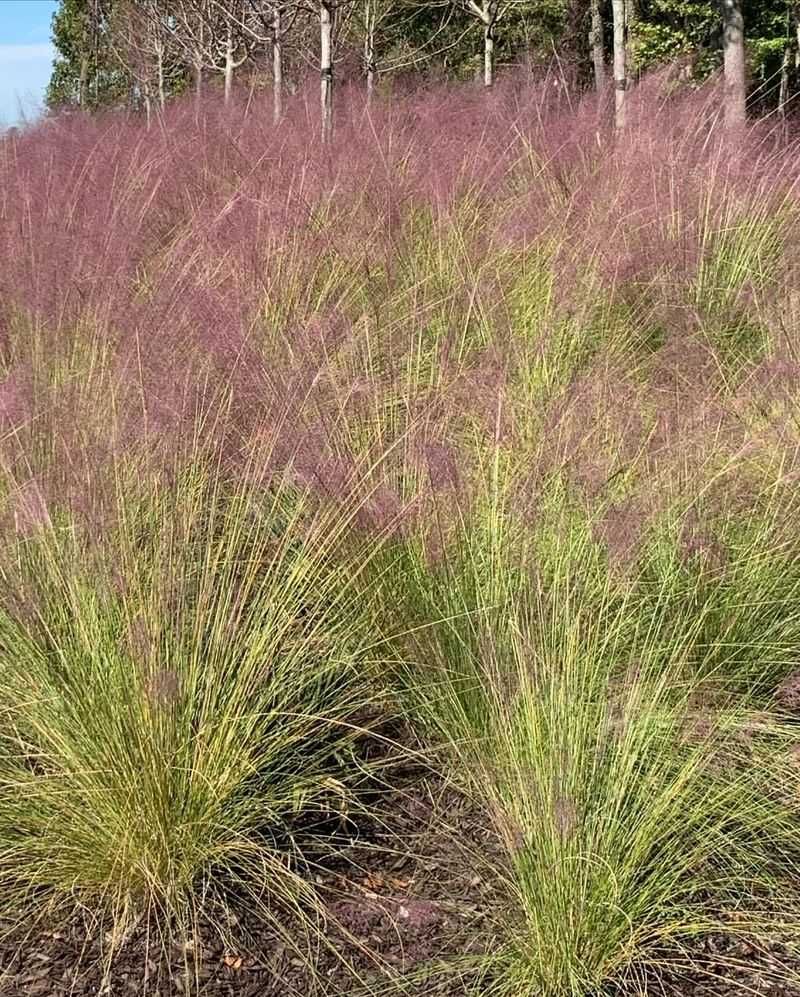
[181,708]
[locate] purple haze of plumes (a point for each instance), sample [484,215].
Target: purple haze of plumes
[251,295]
[29,508]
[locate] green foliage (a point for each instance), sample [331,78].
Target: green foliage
[666,29]
[80,37]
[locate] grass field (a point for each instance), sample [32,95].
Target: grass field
[462,453]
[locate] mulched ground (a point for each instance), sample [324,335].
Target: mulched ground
[399,900]
[407,896]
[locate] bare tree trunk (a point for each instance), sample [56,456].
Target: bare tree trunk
[488,54]
[277,65]
[630,20]
[796,12]
[369,45]
[597,46]
[162,97]
[83,82]
[783,90]
[734,63]
[198,68]
[83,78]
[326,66]
[620,62]
[147,104]
[791,55]
[229,65]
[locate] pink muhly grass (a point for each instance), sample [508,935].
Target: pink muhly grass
[344,333]
[622,530]
[596,427]
[439,462]
[29,508]
[698,544]
[252,290]
[162,688]
[565,816]
[15,400]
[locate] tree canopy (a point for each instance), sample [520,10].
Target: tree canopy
[111,52]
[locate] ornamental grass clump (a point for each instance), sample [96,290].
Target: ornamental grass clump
[179,708]
[638,799]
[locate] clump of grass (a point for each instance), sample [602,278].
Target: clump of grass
[626,836]
[641,795]
[176,701]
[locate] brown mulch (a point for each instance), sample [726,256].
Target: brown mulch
[398,900]
[408,898]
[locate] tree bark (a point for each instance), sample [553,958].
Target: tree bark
[620,62]
[369,45]
[630,20]
[277,66]
[326,67]
[198,68]
[783,90]
[734,63]
[83,82]
[229,65]
[198,82]
[597,46]
[488,53]
[83,78]
[797,37]
[162,96]
[147,105]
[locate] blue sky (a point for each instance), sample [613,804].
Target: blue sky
[25,55]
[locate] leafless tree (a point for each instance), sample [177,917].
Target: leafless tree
[189,20]
[488,13]
[791,55]
[141,40]
[279,30]
[266,23]
[372,16]
[327,14]
[211,34]
[372,9]
[334,16]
